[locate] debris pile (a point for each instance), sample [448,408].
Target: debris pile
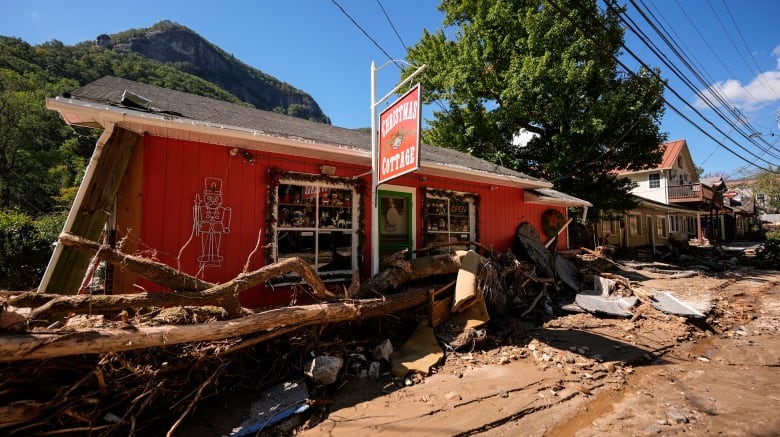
[145,363]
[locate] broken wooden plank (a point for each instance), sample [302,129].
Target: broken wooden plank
[567,271]
[88,216]
[532,244]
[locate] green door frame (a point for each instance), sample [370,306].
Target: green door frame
[395,227]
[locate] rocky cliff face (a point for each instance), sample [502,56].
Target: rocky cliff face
[193,54]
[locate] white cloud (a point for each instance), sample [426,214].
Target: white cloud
[762,91]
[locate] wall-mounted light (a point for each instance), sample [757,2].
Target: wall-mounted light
[233,151]
[327,170]
[423,178]
[248,156]
[493,188]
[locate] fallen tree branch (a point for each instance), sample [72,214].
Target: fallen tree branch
[224,295]
[154,271]
[40,345]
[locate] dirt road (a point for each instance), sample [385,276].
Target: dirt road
[582,375]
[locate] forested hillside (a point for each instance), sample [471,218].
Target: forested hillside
[42,159]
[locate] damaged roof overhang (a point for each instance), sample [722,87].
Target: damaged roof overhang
[530,196]
[96,115]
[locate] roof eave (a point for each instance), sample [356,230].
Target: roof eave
[540,199]
[444,170]
[95,115]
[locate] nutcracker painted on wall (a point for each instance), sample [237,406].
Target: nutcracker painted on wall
[211,221]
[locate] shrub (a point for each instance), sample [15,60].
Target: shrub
[26,244]
[767,256]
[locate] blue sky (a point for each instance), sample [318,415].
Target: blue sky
[732,47]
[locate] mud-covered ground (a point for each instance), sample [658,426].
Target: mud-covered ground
[585,375]
[582,375]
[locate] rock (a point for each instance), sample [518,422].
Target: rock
[675,416]
[383,351]
[453,396]
[324,369]
[373,370]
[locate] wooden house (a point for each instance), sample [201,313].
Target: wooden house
[674,203]
[215,189]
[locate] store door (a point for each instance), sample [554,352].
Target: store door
[395,222]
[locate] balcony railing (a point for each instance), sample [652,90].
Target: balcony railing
[695,193]
[685,193]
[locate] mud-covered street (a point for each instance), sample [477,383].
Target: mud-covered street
[587,375]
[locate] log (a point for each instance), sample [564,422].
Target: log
[42,345]
[418,268]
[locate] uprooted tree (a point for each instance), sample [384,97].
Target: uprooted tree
[47,344]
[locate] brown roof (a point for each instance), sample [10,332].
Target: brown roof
[109,90]
[671,150]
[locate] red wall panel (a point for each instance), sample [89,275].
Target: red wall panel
[174,175]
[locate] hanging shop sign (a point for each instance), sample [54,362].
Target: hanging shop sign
[399,137]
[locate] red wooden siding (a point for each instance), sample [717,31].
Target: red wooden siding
[174,172]
[500,211]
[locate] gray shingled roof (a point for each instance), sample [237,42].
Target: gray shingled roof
[108,90]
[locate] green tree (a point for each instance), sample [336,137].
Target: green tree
[547,68]
[25,247]
[768,185]
[30,143]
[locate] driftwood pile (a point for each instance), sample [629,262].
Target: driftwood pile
[130,364]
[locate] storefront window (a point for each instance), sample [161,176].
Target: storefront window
[448,219]
[314,218]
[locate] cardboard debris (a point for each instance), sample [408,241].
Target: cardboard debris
[466,284]
[419,353]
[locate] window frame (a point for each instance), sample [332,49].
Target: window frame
[357,187]
[654,180]
[634,225]
[431,199]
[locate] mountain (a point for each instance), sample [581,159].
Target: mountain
[176,45]
[42,160]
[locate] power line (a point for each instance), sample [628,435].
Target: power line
[704,96]
[390,58]
[391,25]
[632,26]
[742,38]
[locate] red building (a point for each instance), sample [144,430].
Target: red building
[216,188]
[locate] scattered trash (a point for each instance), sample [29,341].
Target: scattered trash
[669,304]
[276,404]
[593,302]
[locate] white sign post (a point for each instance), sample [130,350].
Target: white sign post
[375,157]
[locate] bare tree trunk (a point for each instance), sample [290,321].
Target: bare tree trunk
[40,345]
